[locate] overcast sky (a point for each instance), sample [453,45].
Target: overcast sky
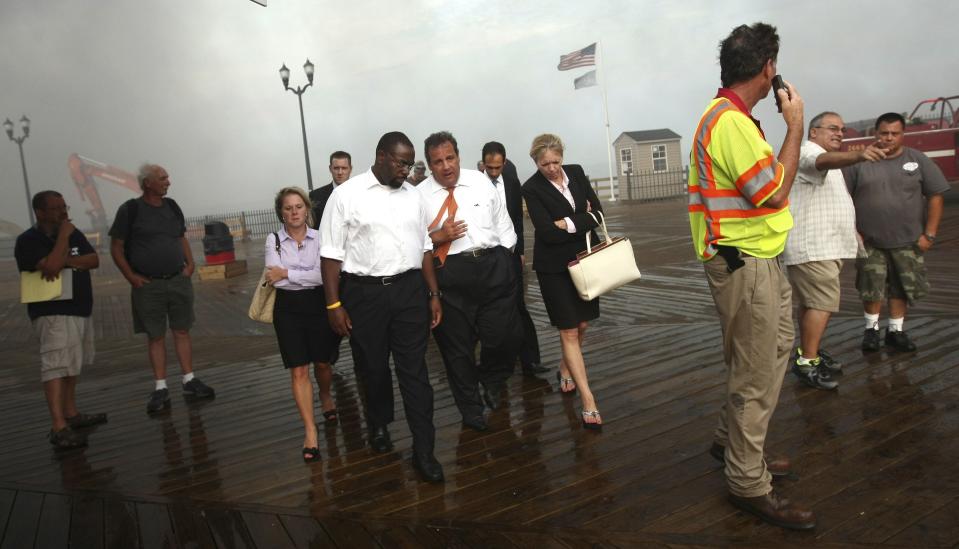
[193,84]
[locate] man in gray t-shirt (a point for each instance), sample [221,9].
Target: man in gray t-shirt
[149,245]
[898,207]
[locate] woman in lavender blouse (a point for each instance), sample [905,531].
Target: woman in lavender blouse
[299,315]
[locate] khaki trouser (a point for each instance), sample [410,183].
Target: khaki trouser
[755,311]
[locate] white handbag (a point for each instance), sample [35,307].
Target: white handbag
[603,267]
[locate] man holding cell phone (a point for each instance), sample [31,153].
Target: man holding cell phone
[739,218]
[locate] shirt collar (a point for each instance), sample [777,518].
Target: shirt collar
[310,233]
[436,187]
[498,181]
[561,187]
[814,146]
[737,101]
[374,182]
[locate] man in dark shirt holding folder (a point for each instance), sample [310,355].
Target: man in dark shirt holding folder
[63,326]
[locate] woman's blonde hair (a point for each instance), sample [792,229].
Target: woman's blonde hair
[544,142]
[286,191]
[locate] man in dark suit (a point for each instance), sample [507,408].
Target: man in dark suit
[341,167]
[502,174]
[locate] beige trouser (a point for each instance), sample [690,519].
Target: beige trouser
[755,311]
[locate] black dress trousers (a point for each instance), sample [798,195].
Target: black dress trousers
[479,304]
[392,319]
[529,349]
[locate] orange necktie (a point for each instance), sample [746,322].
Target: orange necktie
[440,252]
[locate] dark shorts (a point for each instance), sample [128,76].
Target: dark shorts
[303,329]
[897,273]
[160,300]
[563,304]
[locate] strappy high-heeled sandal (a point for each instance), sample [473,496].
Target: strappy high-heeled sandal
[566,384]
[311,454]
[595,426]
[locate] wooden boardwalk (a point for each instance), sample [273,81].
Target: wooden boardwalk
[874,458]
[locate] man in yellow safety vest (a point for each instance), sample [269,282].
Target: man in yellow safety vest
[739,216]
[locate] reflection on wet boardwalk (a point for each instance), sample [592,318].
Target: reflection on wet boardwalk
[875,459]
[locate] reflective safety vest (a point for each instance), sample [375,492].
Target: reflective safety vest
[732,171]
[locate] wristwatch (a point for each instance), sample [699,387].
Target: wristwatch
[435,294]
[929,237]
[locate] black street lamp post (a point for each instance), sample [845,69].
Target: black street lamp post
[285,76]
[25,127]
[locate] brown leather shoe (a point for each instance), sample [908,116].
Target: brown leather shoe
[777,511]
[778,466]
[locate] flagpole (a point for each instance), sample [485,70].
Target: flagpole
[609,144]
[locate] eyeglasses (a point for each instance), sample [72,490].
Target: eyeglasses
[63,208]
[401,162]
[833,129]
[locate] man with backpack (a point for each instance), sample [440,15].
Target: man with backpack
[149,246]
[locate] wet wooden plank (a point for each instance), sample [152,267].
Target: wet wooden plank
[306,532]
[155,527]
[190,528]
[23,521]
[120,524]
[86,523]
[266,530]
[486,537]
[396,535]
[939,528]
[432,536]
[6,504]
[54,530]
[349,534]
[228,529]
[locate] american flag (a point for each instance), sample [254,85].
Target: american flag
[585,57]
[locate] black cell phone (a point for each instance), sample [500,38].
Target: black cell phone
[778,84]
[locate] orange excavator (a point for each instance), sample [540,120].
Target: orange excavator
[84,171]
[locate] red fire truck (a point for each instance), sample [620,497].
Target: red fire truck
[932,127]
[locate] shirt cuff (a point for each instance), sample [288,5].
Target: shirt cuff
[570,226]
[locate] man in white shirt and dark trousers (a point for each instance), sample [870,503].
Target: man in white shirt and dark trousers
[823,234]
[472,239]
[381,291]
[502,174]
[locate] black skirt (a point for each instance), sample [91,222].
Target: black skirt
[302,327]
[563,304]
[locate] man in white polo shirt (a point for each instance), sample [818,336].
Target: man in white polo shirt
[824,233]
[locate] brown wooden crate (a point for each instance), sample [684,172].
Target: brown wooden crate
[226,270]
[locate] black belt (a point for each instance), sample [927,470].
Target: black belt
[163,276]
[475,252]
[381,280]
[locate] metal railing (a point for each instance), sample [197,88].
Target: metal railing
[649,185]
[243,225]
[644,186]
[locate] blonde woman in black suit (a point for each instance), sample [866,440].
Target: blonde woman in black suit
[558,199]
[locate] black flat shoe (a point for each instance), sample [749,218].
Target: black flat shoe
[476,423]
[427,466]
[534,368]
[380,440]
[311,455]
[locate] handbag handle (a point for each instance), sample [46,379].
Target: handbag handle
[601,224]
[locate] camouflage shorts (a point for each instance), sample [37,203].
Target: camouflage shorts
[898,273]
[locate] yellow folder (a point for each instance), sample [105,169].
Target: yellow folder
[33,288]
